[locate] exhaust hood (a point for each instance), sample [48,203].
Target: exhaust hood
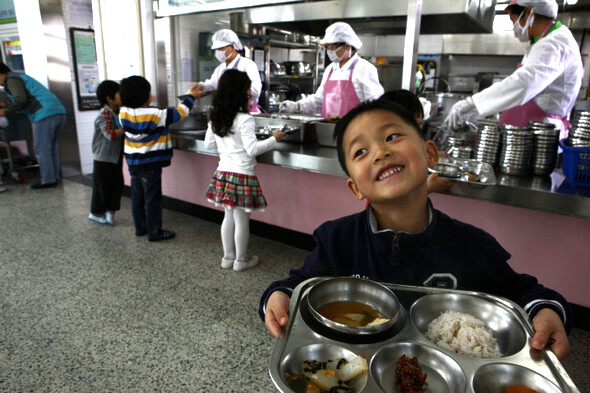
[377,17]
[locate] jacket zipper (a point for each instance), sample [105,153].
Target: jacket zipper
[395,241]
[395,250]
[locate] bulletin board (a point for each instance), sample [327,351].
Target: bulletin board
[85,67]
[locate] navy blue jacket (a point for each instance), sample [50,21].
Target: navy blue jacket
[448,254]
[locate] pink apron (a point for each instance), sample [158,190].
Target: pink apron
[530,111]
[252,105]
[339,96]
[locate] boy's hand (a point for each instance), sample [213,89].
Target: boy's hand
[120,132]
[196,90]
[277,312]
[548,325]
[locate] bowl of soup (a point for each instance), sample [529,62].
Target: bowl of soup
[353,305]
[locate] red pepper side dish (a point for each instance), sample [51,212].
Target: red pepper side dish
[408,375]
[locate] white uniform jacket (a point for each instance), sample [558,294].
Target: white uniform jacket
[245,65]
[364,78]
[551,74]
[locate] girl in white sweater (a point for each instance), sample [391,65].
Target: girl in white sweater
[234,184]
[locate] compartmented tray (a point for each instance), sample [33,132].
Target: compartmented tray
[464,170]
[305,339]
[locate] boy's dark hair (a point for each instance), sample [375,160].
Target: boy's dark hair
[107,88]
[368,106]
[4,69]
[405,98]
[134,91]
[230,98]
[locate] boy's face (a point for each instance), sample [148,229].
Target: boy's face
[114,103]
[386,158]
[149,100]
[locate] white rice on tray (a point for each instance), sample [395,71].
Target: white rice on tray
[464,334]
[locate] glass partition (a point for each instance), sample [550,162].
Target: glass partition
[179,7]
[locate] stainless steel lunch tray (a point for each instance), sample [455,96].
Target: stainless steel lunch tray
[448,372]
[302,131]
[483,170]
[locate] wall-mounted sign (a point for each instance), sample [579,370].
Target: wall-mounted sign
[12,48]
[86,68]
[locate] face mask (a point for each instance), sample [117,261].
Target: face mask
[334,58]
[220,55]
[520,32]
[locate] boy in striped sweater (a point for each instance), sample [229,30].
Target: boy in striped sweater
[148,149]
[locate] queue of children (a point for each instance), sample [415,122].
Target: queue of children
[128,124]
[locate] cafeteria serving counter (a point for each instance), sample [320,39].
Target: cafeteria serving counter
[544,193]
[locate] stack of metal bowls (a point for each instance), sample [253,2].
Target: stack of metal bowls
[488,143]
[545,143]
[579,134]
[457,147]
[517,143]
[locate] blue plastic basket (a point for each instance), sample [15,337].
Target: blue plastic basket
[576,165]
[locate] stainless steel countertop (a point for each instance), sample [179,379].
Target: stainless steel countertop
[544,193]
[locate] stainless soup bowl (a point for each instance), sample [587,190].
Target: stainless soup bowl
[505,326]
[291,364]
[443,374]
[496,377]
[357,290]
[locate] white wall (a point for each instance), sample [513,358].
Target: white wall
[78,13]
[30,32]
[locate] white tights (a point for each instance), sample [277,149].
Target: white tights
[235,233]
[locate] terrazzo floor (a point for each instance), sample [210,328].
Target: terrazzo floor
[92,308]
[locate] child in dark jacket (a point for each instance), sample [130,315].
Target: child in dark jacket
[148,149]
[107,148]
[400,238]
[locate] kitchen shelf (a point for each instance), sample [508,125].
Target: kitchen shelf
[291,44]
[292,77]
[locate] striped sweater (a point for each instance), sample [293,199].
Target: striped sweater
[147,133]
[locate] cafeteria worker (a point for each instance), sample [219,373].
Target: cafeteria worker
[226,45]
[545,85]
[347,81]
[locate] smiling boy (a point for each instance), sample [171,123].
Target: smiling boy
[401,238]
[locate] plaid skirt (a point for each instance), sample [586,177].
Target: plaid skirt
[229,189]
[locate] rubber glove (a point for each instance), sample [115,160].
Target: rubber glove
[289,106]
[426,106]
[460,112]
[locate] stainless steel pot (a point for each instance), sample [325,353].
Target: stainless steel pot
[274,100]
[277,69]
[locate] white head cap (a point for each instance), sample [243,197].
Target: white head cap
[546,8]
[225,37]
[342,32]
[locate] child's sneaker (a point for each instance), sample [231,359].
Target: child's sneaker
[163,235]
[3,189]
[240,265]
[226,263]
[110,217]
[97,219]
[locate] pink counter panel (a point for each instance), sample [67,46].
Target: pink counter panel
[552,247]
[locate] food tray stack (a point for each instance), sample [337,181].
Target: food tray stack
[447,371]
